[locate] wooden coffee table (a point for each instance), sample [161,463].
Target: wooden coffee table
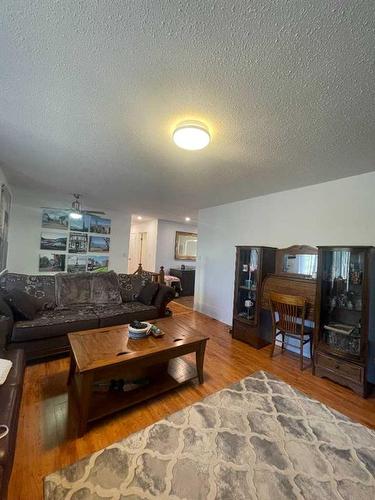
[107,353]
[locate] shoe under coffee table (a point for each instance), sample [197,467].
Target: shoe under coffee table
[107,353]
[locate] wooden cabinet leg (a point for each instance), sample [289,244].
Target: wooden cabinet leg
[200,359]
[84,402]
[72,368]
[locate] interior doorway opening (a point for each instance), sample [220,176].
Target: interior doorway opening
[137,251]
[142,244]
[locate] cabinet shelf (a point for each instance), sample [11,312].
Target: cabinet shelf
[347,309]
[259,262]
[343,357]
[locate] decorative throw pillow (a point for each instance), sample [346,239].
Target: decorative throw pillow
[23,305]
[148,293]
[105,288]
[73,289]
[40,287]
[130,286]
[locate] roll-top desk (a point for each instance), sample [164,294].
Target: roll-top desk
[261,271]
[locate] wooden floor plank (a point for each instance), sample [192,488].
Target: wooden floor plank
[43,445]
[187,301]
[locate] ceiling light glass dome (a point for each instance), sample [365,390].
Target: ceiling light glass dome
[191,135]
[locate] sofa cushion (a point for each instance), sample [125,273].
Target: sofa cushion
[87,288]
[23,305]
[41,287]
[105,288]
[73,289]
[125,313]
[148,293]
[125,308]
[41,349]
[131,284]
[49,324]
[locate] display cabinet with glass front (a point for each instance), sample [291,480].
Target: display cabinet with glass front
[252,265]
[344,315]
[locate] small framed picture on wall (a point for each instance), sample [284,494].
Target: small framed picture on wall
[51,262]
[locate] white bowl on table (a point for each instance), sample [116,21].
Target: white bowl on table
[140,331]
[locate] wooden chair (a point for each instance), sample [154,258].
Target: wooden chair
[288,320]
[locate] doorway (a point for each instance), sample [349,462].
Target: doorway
[137,251]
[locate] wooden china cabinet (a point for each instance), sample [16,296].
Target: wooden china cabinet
[252,266]
[345,315]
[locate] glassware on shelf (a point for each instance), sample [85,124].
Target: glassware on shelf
[345,316]
[341,311]
[247,283]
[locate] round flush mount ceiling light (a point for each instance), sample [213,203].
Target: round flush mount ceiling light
[191,135]
[187,219]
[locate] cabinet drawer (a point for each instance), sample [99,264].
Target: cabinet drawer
[340,367]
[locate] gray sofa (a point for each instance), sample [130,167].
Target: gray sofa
[72,302]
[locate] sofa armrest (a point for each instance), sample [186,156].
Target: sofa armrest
[165,294]
[6,328]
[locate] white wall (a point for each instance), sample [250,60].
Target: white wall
[3,179]
[25,228]
[166,244]
[339,212]
[334,213]
[151,228]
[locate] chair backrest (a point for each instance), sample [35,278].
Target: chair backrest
[291,310]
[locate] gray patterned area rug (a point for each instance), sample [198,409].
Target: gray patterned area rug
[258,439]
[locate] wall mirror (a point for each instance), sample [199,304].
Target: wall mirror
[298,261]
[185,246]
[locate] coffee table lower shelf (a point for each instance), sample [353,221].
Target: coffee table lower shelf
[102,404]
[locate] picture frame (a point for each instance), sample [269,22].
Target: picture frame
[77,263]
[77,238]
[81,225]
[78,243]
[100,225]
[53,241]
[55,218]
[99,244]
[185,246]
[98,263]
[52,262]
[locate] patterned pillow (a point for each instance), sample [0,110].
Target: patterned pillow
[23,305]
[131,285]
[40,287]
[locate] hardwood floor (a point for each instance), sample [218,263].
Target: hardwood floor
[43,443]
[186,301]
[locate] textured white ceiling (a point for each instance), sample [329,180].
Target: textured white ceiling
[90,91]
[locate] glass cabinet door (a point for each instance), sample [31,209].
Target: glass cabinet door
[341,299]
[247,284]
